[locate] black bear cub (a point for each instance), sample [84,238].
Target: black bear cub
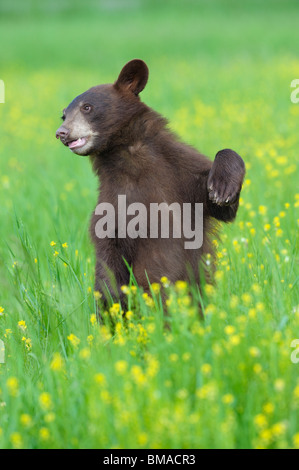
[142,165]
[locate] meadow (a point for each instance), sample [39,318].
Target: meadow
[220,72]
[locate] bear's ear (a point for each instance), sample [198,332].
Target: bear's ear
[133,77]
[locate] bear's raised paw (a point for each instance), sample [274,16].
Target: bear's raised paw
[225,178]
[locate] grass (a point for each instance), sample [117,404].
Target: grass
[221,73]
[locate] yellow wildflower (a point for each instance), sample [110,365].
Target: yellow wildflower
[228,399]
[268,408]
[296,440]
[234,340]
[16,440]
[49,417]
[262,210]
[22,325]
[28,343]
[13,386]
[254,351]
[142,439]
[93,319]
[45,401]
[84,353]
[206,369]
[121,367]
[257,368]
[44,434]
[229,329]
[100,378]
[279,385]
[90,339]
[234,302]
[165,281]
[173,357]
[57,362]
[260,421]
[138,375]
[209,289]
[181,286]
[97,295]
[129,314]
[26,420]
[278,429]
[186,356]
[247,299]
[74,340]
[156,287]
[125,289]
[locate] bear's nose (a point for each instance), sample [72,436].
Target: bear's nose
[62,133]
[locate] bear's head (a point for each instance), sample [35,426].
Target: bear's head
[93,119]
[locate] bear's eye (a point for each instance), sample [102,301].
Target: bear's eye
[86,108]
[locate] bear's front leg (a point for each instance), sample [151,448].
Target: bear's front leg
[224,185]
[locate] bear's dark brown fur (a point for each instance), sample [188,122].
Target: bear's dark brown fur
[134,154]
